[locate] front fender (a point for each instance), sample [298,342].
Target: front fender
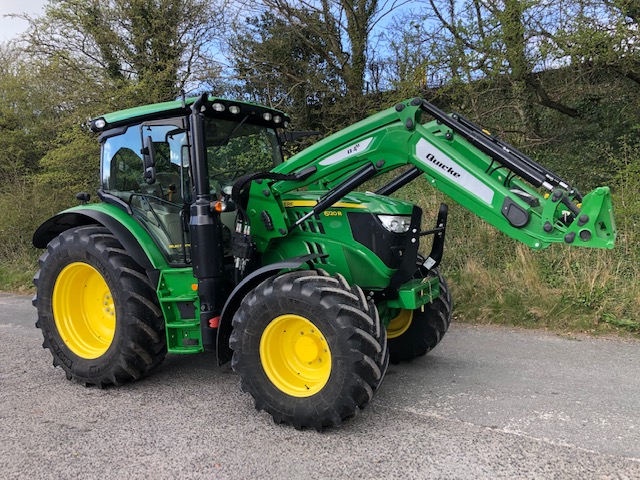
[133,237]
[223,352]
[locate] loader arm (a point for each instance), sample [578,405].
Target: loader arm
[487,176]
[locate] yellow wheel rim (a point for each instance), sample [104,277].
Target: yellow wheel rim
[83,310]
[400,324]
[295,355]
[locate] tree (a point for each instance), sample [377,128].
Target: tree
[146,49]
[498,41]
[335,35]
[33,124]
[604,35]
[280,68]
[29,112]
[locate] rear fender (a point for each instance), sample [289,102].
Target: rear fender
[135,240]
[251,281]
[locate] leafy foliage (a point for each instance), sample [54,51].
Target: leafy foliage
[316,56]
[280,65]
[147,49]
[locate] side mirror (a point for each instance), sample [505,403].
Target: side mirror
[148,160]
[83,197]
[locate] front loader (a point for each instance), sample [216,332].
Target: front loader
[205,239]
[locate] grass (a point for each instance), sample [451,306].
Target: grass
[497,280]
[16,272]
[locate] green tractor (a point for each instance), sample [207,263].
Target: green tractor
[206,239]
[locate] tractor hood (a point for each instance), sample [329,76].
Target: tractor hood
[365,202]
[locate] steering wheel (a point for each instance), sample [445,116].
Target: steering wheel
[169,184]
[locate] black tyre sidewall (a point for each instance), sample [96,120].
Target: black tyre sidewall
[80,246]
[345,390]
[427,326]
[340,359]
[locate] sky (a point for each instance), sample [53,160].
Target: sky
[11,27]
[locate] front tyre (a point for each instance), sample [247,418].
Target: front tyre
[413,333]
[309,349]
[97,309]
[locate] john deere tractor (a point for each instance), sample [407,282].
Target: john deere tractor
[205,239]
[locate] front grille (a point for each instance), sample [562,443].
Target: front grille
[312,225]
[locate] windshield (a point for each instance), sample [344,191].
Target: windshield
[234,150]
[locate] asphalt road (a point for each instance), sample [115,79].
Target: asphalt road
[487,403]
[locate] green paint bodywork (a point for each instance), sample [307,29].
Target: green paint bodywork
[390,139]
[154,254]
[331,234]
[181,309]
[416,293]
[384,139]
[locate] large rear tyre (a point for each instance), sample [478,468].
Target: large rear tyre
[413,333]
[309,349]
[97,309]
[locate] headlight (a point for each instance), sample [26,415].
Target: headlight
[395,223]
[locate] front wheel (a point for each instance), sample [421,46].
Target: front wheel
[413,333]
[97,309]
[309,348]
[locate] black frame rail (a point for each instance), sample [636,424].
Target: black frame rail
[501,152]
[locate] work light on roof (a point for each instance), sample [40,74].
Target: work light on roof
[267,116]
[100,123]
[277,119]
[218,107]
[234,109]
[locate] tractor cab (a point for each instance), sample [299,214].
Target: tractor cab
[146,164]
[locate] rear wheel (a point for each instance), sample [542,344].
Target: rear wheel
[309,348]
[97,309]
[413,333]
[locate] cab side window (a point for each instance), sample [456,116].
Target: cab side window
[122,164]
[158,206]
[171,165]
[125,172]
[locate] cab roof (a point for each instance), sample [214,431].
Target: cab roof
[218,107]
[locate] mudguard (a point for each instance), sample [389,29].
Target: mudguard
[223,352]
[135,240]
